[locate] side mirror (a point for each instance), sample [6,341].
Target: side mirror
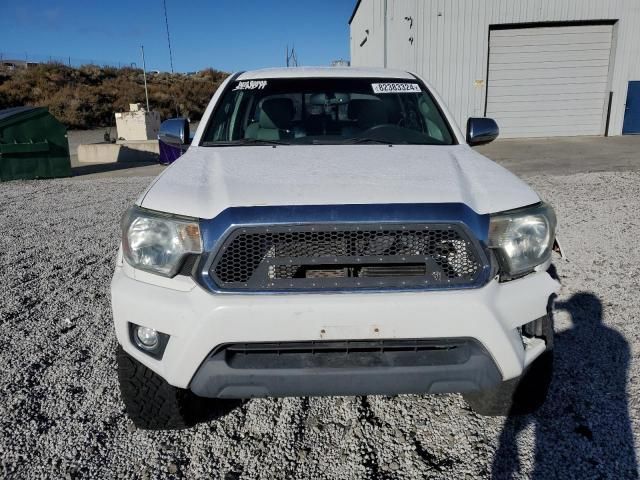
[481,131]
[175,132]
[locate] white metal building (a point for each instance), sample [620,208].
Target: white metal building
[539,67]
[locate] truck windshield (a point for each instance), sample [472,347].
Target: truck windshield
[307,111]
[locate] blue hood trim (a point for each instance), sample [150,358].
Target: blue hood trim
[215,229]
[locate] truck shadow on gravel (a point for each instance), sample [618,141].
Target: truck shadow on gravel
[583,430]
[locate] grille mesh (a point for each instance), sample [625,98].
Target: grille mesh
[291,256]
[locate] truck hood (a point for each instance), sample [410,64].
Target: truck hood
[207,180]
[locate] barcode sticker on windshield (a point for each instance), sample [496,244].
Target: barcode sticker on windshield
[395,88]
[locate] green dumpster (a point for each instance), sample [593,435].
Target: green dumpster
[33,144]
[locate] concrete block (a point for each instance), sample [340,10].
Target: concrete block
[140,151]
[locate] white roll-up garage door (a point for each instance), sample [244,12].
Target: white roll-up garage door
[549,81]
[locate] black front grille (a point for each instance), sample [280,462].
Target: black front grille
[321,257]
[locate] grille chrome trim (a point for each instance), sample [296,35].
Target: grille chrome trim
[262,253]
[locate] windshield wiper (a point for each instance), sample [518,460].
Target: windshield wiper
[356,140]
[244,141]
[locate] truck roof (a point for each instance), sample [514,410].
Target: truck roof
[324,72]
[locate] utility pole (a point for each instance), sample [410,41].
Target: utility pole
[385,35]
[166,22]
[144,75]
[292,58]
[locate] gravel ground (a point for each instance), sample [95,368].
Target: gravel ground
[61,414]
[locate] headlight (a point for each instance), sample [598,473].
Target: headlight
[157,242]
[523,238]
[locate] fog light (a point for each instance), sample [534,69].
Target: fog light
[148,340]
[147,337]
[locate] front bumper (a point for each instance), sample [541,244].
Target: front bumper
[387,367]
[199,321]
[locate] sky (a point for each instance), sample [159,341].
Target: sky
[228,35]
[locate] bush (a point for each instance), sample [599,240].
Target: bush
[88,96]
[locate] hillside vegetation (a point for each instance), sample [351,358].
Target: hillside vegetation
[88,96]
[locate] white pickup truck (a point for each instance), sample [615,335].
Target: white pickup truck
[329,231]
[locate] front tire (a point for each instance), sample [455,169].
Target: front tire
[153,404]
[527,393]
